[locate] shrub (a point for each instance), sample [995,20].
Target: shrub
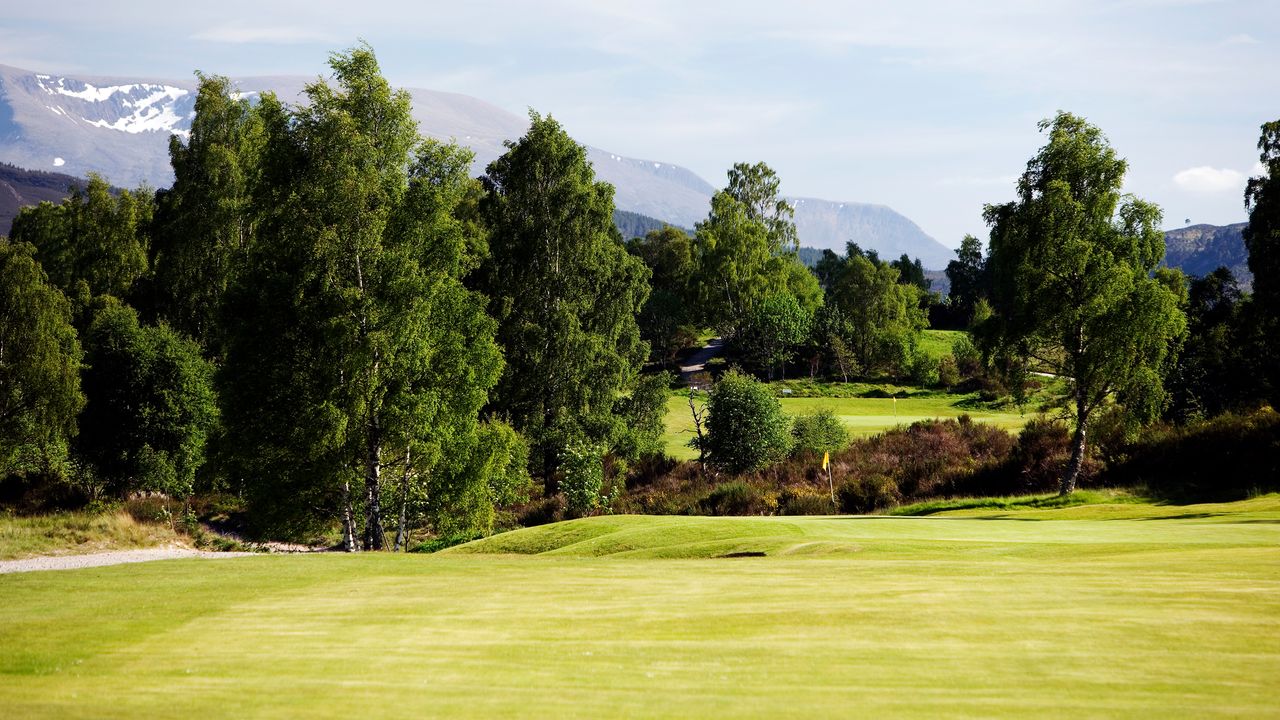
[968,359]
[582,477]
[948,372]
[1226,458]
[739,498]
[923,369]
[804,500]
[746,429]
[867,494]
[818,432]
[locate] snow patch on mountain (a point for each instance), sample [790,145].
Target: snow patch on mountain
[132,108]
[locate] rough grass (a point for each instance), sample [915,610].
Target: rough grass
[864,416]
[874,616]
[72,533]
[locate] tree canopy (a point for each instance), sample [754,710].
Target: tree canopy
[360,321]
[1071,261]
[40,360]
[565,294]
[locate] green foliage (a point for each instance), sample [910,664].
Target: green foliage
[746,251]
[483,470]
[746,429]
[94,235]
[581,478]
[668,318]
[1262,238]
[948,371]
[351,340]
[818,432]
[882,317]
[644,412]
[911,272]
[1071,288]
[40,360]
[769,337]
[565,293]
[968,277]
[207,219]
[150,407]
[924,369]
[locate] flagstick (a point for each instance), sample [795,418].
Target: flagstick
[832,485]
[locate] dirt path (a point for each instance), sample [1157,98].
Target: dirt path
[697,362]
[75,562]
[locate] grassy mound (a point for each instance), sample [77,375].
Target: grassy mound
[953,526]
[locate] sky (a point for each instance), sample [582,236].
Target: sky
[928,106]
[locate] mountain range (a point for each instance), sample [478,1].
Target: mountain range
[119,127]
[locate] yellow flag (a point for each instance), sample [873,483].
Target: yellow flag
[826,459]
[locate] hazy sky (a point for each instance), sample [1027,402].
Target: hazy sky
[928,106]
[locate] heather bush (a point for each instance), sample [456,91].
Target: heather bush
[862,495]
[818,433]
[805,500]
[739,498]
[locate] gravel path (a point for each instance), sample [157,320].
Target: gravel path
[75,562]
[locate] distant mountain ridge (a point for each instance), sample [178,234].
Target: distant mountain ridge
[119,127]
[1201,249]
[20,188]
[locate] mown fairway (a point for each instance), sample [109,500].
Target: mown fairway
[862,415]
[1177,614]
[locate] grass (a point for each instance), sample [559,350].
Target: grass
[879,616]
[78,532]
[938,343]
[862,415]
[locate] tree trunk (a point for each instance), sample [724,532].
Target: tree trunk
[374,535]
[402,530]
[549,453]
[348,520]
[1069,477]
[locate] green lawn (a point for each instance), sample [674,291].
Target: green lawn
[1171,612]
[863,416]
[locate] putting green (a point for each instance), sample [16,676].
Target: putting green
[1177,615]
[863,416]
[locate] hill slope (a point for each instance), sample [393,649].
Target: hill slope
[20,188]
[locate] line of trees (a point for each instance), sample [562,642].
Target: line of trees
[326,314]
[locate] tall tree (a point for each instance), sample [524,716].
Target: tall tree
[883,317]
[94,236]
[206,220]
[967,275]
[1071,262]
[668,319]
[911,272]
[746,251]
[40,361]
[354,346]
[1262,238]
[565,293]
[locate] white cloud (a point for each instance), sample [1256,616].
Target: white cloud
[280,35]
[1205,179]
[1242,39]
